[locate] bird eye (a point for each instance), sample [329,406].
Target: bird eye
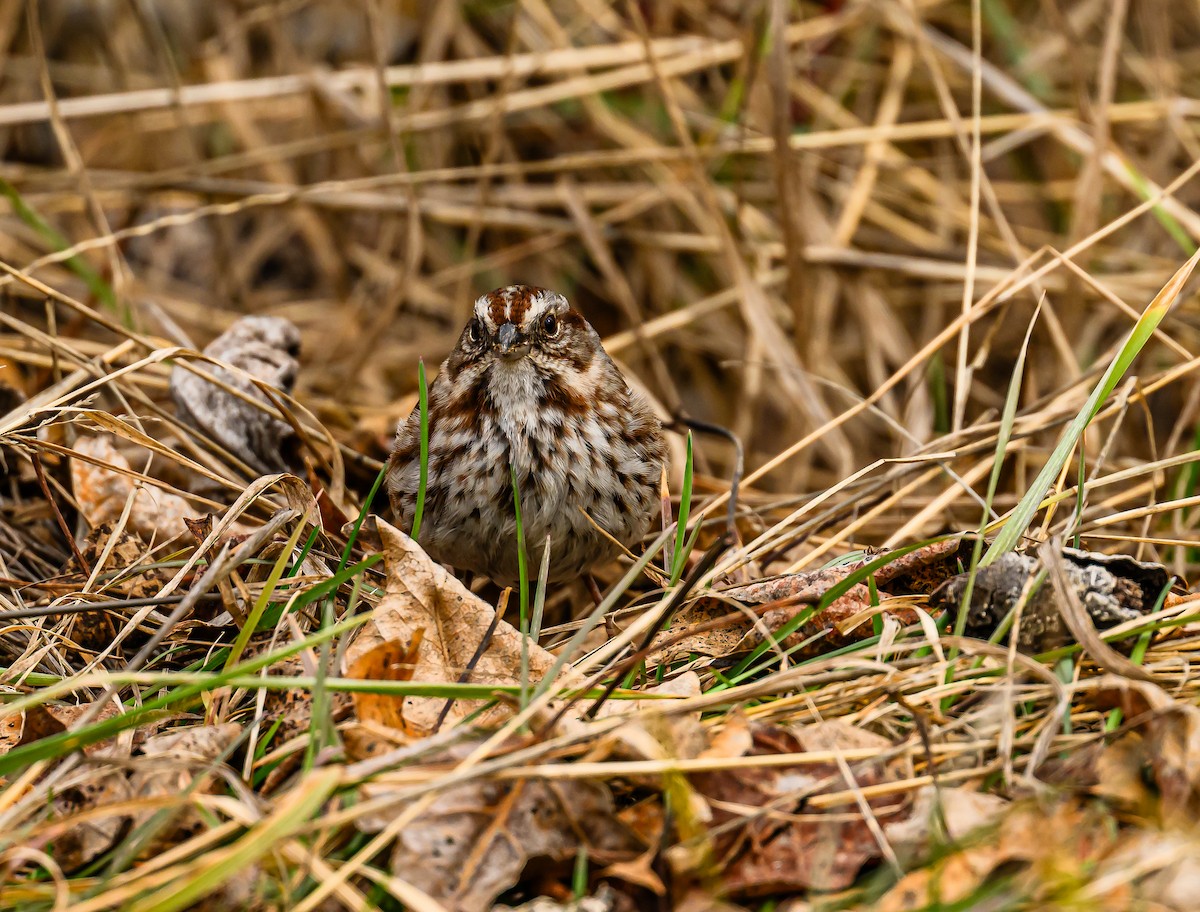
[550,325]
[474,333]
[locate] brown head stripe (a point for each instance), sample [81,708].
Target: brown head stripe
[509,304]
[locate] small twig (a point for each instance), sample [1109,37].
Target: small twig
[81,607]
[706,563]
[484,643]
[62,522]
[735,479]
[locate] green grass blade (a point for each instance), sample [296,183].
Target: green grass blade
[304,552]
[1008,419]
[264,598]
[679,557]
[1170,224]
[1010,534]
[589,623]
[522,555]
[535,623]
[96,285]
[362,516]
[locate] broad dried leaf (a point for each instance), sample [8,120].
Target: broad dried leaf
[652,732]
[920,572]
[126,557]
[1170,732]
[475,840]
[940,816]
[719,630]
[841,622]
[1173,862]
[707,627]
[1121,772]
[82,834]
[798,846]
[11,728]
[423,596]
[1043,846]
[169,767]
[292,709]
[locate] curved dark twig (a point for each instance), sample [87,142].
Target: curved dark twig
[735,480]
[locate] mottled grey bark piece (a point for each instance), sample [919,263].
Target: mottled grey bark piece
[266,348]
[1112,590]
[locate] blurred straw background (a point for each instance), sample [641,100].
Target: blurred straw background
[769,209]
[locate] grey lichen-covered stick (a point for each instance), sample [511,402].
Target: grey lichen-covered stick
[265,348]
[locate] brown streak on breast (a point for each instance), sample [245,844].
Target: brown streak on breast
[563,397]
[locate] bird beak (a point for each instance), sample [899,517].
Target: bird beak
[510,344]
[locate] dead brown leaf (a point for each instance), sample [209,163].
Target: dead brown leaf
[921,571]
[1170,748]
[11,728]
[719,630]
[1044,844]
[172,766]
[103,493]
[82,834]
[939,816]
[475,840]
[768,838]
[423,596]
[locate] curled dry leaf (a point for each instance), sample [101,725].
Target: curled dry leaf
[795,845]
[265,349]
[1112,590]
[102,494]
[771,605]
[456,622]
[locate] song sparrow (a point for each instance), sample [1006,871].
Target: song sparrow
[529,386]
